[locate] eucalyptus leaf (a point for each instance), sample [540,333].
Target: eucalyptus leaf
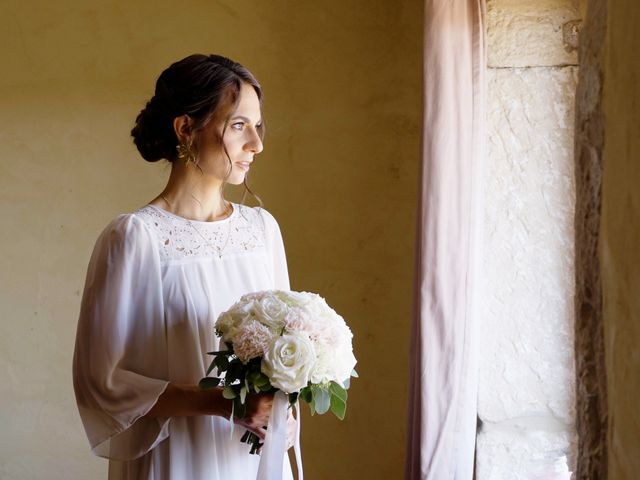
[322,400]
[221,352]
[338,407]
[234,371]
[243,393]
[354,373]
[222,363]
[338,391]
[261,379]
[265,388]
[239,407]
[209,382]
[306,394]
[229,392]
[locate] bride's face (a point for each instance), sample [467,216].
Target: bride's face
[241,140]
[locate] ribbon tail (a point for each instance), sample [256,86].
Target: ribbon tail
[275,444]
[296,445]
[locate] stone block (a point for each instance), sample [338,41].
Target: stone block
[522,33]
[523,454]
[527,364]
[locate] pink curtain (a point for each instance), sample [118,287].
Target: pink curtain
[443,366]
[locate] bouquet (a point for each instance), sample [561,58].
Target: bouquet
[283,340]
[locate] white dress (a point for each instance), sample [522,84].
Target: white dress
[153,290]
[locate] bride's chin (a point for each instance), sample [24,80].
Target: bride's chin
[236,180]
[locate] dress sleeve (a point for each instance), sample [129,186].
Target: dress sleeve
[276,252]
[120,357]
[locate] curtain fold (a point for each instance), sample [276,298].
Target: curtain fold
[443,373]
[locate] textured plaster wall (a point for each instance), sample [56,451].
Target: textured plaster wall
[620,237]
[526,393]
[338,171]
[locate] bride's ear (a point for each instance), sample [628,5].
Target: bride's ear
[182,126]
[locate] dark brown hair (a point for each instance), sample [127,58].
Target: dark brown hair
[201,86]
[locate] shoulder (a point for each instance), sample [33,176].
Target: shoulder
[269,222]
[125,231]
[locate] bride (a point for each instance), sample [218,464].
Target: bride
[159,276]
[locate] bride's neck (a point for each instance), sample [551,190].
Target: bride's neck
[192,195]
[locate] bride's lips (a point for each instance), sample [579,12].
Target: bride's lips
[244,165]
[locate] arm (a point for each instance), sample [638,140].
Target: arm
[190,400]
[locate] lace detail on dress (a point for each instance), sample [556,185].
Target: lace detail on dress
[243,231]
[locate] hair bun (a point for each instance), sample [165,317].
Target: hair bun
[153,132]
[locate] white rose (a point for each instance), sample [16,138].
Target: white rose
[288,361]
[270,311]
[293,298]
[333,363]
[226,326]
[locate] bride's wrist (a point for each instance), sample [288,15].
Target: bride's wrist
[216,404]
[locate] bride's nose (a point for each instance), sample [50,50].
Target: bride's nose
[254,143]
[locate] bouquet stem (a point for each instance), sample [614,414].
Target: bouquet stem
[253,440]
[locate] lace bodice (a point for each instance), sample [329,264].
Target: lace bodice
[180,238]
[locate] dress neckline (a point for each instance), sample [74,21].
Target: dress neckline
[198,222]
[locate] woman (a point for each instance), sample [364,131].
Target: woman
[158,278]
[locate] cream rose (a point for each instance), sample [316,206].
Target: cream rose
[288,362]
[270,310]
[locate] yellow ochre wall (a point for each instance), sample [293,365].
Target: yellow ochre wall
[342,85]
[620,236]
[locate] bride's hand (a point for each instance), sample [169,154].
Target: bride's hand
[258,410]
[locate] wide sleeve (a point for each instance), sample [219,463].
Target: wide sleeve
[275,251]
[120,357]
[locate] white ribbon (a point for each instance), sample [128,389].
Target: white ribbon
[274,449]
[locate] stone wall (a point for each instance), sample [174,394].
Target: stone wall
[591,401]
[526,393]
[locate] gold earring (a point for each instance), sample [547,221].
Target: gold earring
[185,153]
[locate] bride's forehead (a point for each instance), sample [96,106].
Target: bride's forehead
[248,101]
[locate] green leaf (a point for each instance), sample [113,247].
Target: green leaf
[211,366]
[234,372]
[253,376]
[293,397]
[338,391]
[306,394]
[265,388]
[261,379]
[322,400]
[229,392]
[239,408]
[222,363]
[243,394]
[338,407]
[209,382]
[221,352]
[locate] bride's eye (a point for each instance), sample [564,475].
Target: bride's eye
[237,125]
